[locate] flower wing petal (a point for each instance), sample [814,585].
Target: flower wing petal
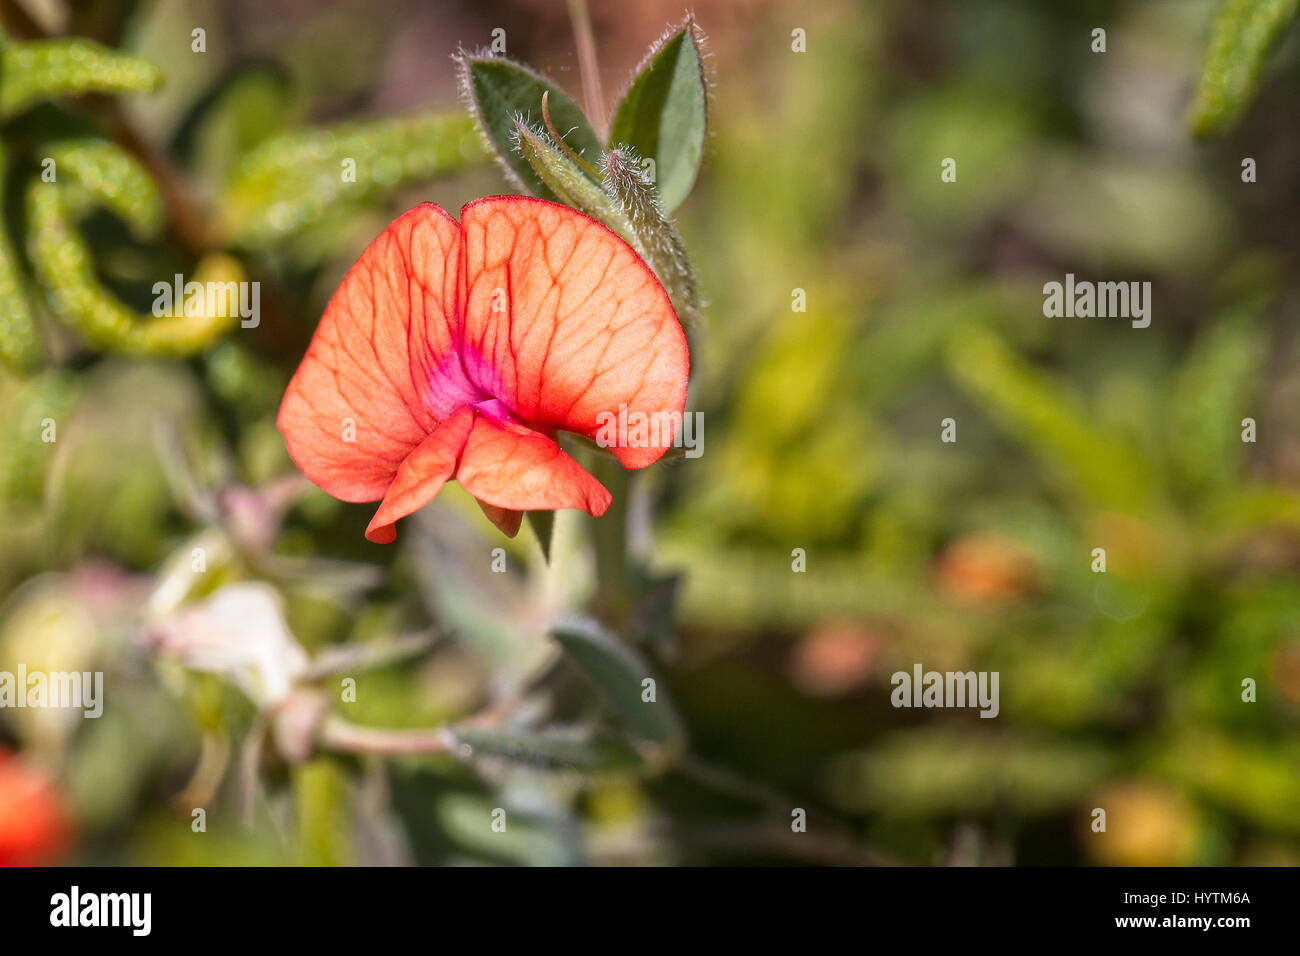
[421,474]
[564,323]
[383,368]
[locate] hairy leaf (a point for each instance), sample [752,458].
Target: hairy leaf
[568,749]
[654,237]
[617,671]
[500,93]
[663,113]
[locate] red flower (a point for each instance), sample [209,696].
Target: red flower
[458,351]
[34,827]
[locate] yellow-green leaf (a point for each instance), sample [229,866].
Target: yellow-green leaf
[295,179]
[63,265]
[1241,38]
[45,69]
[113,177]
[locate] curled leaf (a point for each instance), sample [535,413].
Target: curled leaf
[63,265]
[113,177]
[20,346]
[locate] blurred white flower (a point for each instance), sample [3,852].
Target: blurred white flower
[239,632]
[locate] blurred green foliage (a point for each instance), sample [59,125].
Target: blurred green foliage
[921,301]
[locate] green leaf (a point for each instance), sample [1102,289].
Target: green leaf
[618,673]
[1096,466]
[501,92]
[529,839]
[113,177]
[63,264]
[578,749]
[543,525]
[24,405]
[663,114]
[247,104]
[44,69]
[1213,389]
[321,807]
[1243,34]
[295,179]
[653,237]
[20,346]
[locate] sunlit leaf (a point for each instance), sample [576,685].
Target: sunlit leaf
[20,346]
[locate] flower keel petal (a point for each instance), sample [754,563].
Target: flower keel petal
[510,466]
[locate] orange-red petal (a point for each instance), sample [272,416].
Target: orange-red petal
[510,466]
[421,474]
[562,322]
[383,367]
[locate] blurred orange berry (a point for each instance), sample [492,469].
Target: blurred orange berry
[984,569]
[1147,824]
[1286,673]
[34,826]
[834,658]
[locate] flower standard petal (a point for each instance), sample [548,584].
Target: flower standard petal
[382,369]
[566,325]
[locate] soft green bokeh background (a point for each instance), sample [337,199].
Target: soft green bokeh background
[1120,690]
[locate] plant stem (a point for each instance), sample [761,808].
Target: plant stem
[609,537]
[584,37]
[340,735]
